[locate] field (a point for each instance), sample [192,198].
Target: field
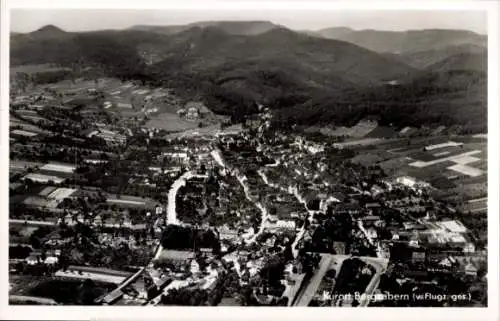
[463,158]
[41,178]
[62,290]
[21,166]
[130,201]
[20,132]
[206,131]
[35,68]
[358,142]
[61,193]
[18,233]
[455,171]
[170,122]
[443,161]
[361,129]
[475,207]
[63,168]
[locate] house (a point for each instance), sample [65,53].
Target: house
[32,260]
[127,222]
[177,156]
[352,209]
[453,226]
[271,241]
[470,269]
[376,190]
[339,247]
[447,262]
[51,260]
[206,250]
[194,267]
[226,233]
[307,236]
[406,181]
[112,297]
[288,269]
[287,225]
[469,248]
[371,206]
[68,219]
[98,220]
[158,210]
[418,255]
[371,233]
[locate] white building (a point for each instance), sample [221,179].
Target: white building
[406,180]
[289,225]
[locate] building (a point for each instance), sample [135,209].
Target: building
[470,269]
[110,137]
[406,181]
[453,226]
[193,110]
[376,190]
[226,233]
[32,260]
[177,156]
[51,260]
[286,224]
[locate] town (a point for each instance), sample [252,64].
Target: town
[122,194]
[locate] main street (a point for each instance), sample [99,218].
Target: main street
[216,154]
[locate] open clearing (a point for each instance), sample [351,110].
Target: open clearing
[359,142]
[35,68]
[466,170]
[23,133]
[170,122]
[63,168]
[41,178]
[460,159]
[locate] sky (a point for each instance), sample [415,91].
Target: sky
[26,20]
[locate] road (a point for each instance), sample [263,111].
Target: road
[262,209]
[45,223]
[25,299]
[172,194]
[312,287]
[380,266]
[299,197]
[291,291]
[124,284]
[478,200]
[30,222]
[362,229]
[216,155]
[93,276]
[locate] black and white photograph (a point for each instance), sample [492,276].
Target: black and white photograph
[195,157]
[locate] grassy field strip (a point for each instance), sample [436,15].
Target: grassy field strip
[455,158]
[478,200]
[466,170]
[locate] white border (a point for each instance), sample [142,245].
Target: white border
[217,313]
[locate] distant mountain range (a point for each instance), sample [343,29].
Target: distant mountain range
[245,28]
[307,77]
[402,42]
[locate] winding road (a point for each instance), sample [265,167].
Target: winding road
[301,200]
[216,154]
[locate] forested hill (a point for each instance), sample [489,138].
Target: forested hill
[306,79]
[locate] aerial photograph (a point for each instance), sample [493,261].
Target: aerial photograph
[251,158]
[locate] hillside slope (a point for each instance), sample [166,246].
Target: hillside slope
[425,58]
[462,61]
[304,79]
